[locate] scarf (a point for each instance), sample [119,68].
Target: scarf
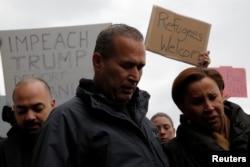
[222,137]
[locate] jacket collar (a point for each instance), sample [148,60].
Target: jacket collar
[138,103]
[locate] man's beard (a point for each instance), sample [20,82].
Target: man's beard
[31,127]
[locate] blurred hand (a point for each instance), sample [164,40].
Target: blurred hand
[204,59]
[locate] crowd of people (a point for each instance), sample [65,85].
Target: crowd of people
[105,124]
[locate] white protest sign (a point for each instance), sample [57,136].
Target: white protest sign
[60,56]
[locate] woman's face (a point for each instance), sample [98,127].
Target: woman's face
[165,128]
[203,104]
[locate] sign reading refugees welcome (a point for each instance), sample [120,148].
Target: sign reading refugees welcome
[175,36]
[60,56]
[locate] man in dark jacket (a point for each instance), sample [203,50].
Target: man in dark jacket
[32,104]
[105,124]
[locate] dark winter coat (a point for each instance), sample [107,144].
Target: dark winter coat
[16,149]
[91,131]
[192,147]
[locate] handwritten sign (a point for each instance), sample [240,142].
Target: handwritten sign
[175,36]
[235,81]
[60,56]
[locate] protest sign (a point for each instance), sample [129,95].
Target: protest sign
[235,81]
[60,56]
[175,36]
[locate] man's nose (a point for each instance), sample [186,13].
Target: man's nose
[30,115]
[135,74]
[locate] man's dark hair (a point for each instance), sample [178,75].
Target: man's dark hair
[105,40]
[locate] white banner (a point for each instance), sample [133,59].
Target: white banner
[60,56]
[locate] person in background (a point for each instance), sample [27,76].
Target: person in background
[32,103]
[163,121]
[105,124]
[8,115]
[208,124]
[165,126]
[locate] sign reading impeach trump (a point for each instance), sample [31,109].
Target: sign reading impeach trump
[175,36]
[60,56]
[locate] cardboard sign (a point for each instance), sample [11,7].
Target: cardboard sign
[60,56]
[235,81]
[175,36]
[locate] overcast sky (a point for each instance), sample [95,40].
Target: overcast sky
[228,41]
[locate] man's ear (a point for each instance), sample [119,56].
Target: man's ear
[97,59]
